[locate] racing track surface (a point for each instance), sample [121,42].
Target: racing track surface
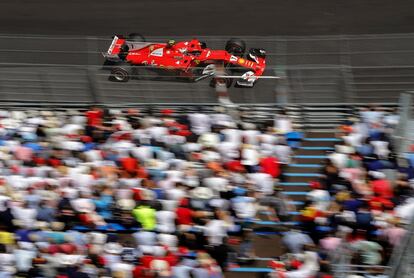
[55,70]
[49,68]
[264,22]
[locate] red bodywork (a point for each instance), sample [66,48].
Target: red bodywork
[182,56]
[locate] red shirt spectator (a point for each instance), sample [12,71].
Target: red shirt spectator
[141,271]
[382,188]
[54,162]
[379,203]
[270,165]
[130,164]
[94,117]
[184,216]
[234,166]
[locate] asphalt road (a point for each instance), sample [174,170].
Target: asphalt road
[274,25]
[212,17]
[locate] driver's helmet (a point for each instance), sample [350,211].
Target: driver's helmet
[170,43]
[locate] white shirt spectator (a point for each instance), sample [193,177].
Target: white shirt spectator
[174,174]
[283,153]
[157,132]
[72,145]
[215,231]
[71,129]
[93,155]
[283,124]
[166,221]
[251,136]
[264,182]
[168,240]
[371,116]
[217,184]
[145,238]
[232,135]
[245,207]
[228,150]
[320,198]
[406,210]
[83,205]
[122,269]
[250,156]
[171,139]
[175,194]
[339,159]
[361,128]
[218,118]
[381,148]
[142,153]
[24,258]
[7,263]
[209,140]
[200,123]
[27,216]
[122,147]
[354,139]
[210,156]
[3,200]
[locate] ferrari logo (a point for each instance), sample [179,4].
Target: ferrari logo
[241,61]
[151,48]
[197,61]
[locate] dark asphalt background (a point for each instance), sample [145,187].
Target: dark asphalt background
[209,17]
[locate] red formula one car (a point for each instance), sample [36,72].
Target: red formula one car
[131,57]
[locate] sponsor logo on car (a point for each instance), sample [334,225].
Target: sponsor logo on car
[233,58]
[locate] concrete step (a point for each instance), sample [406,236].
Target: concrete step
[323,148]
[305,165]
[323,139]
[306,156]
[303,175]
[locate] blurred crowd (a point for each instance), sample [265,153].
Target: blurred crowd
[123,193]
[357,210]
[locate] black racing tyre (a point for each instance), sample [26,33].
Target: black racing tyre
[235,46]
[220,80]
[135,37]
[121,73]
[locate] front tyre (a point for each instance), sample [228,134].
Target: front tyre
[121,73]
[221,81]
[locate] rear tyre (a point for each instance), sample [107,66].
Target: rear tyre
[221,81]
[135,37]
[121,73]
[236,46]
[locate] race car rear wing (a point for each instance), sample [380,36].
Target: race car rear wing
[116,45]
[115,48]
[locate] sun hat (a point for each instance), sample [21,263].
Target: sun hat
[65,259]
[202,193]
[160,266]
[126,204]
[113,248]
[204,259]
